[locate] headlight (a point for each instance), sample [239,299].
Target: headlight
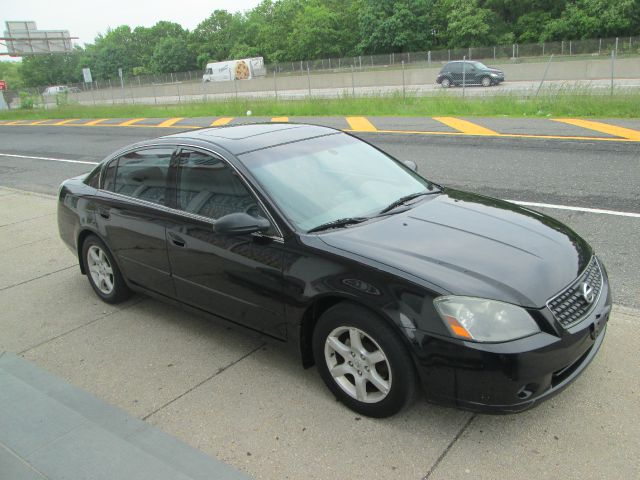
[481,320]
[493,74]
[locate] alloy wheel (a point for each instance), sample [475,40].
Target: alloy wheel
[100,269]
[357,364]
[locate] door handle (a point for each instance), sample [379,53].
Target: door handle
[104,213]
[176,240]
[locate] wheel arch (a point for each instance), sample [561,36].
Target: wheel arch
[313,313]
[82,236]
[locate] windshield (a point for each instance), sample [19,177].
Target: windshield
[480,65]
[330,178]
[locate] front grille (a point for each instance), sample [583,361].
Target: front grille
[570,306]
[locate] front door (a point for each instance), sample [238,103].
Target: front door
[236,277]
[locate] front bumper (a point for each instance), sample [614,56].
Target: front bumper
[512,376]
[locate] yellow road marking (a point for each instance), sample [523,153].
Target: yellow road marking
[170,122]
[360,124]
[503,135]
[94,122]
[280,119]
[221,121]
[602,127]
[130,122]
[64,122]
[633,137]
[465,126]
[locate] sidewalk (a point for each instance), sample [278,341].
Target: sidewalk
[249,405]
[52,430]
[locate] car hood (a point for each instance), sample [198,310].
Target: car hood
[473,245]
[495,70]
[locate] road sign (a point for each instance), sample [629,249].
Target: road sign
[24,38]
[86,73]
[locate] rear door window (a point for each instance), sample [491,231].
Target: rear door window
[140,174]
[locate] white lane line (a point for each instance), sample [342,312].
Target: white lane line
[66,160]
[517,202]
[576,209]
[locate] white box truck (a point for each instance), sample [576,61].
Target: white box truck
[243,69]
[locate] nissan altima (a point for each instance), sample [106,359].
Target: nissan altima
[387,282]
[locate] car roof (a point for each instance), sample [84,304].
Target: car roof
[239,139]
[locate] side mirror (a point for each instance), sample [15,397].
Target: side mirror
[411,164]
[240,224]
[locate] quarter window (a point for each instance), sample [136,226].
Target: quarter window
[208,187]
[141,174]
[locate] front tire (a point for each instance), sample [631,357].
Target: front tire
[363,362]
[103,272]
[486,82]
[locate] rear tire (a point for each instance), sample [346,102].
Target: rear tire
[363,361]
[103,272]
[446,83]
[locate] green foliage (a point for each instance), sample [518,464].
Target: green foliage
[530,26]
[321,30]
[10,73]
[595,18]
[171,54]
[215,37]
[407,25]
[62,99]
[469,25]
[43,70]
[26,101]
[290,30]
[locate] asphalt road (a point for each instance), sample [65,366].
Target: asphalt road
[589,174]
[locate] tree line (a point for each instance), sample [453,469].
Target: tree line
[289,30]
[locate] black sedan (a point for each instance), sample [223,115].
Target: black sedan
[382,279]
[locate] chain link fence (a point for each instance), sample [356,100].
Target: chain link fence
[583,63]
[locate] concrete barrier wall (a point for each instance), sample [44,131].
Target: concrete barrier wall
[583,70]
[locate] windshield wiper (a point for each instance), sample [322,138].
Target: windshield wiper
[341,222]
[403,200]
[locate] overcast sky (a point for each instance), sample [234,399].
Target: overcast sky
[86,19]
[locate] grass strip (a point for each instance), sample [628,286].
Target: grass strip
[574,102]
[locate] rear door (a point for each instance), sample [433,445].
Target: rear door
[235,277]
[133,216]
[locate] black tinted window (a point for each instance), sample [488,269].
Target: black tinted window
[455,68]
[208,187]
[141,174]
[109,176]
[93,178]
